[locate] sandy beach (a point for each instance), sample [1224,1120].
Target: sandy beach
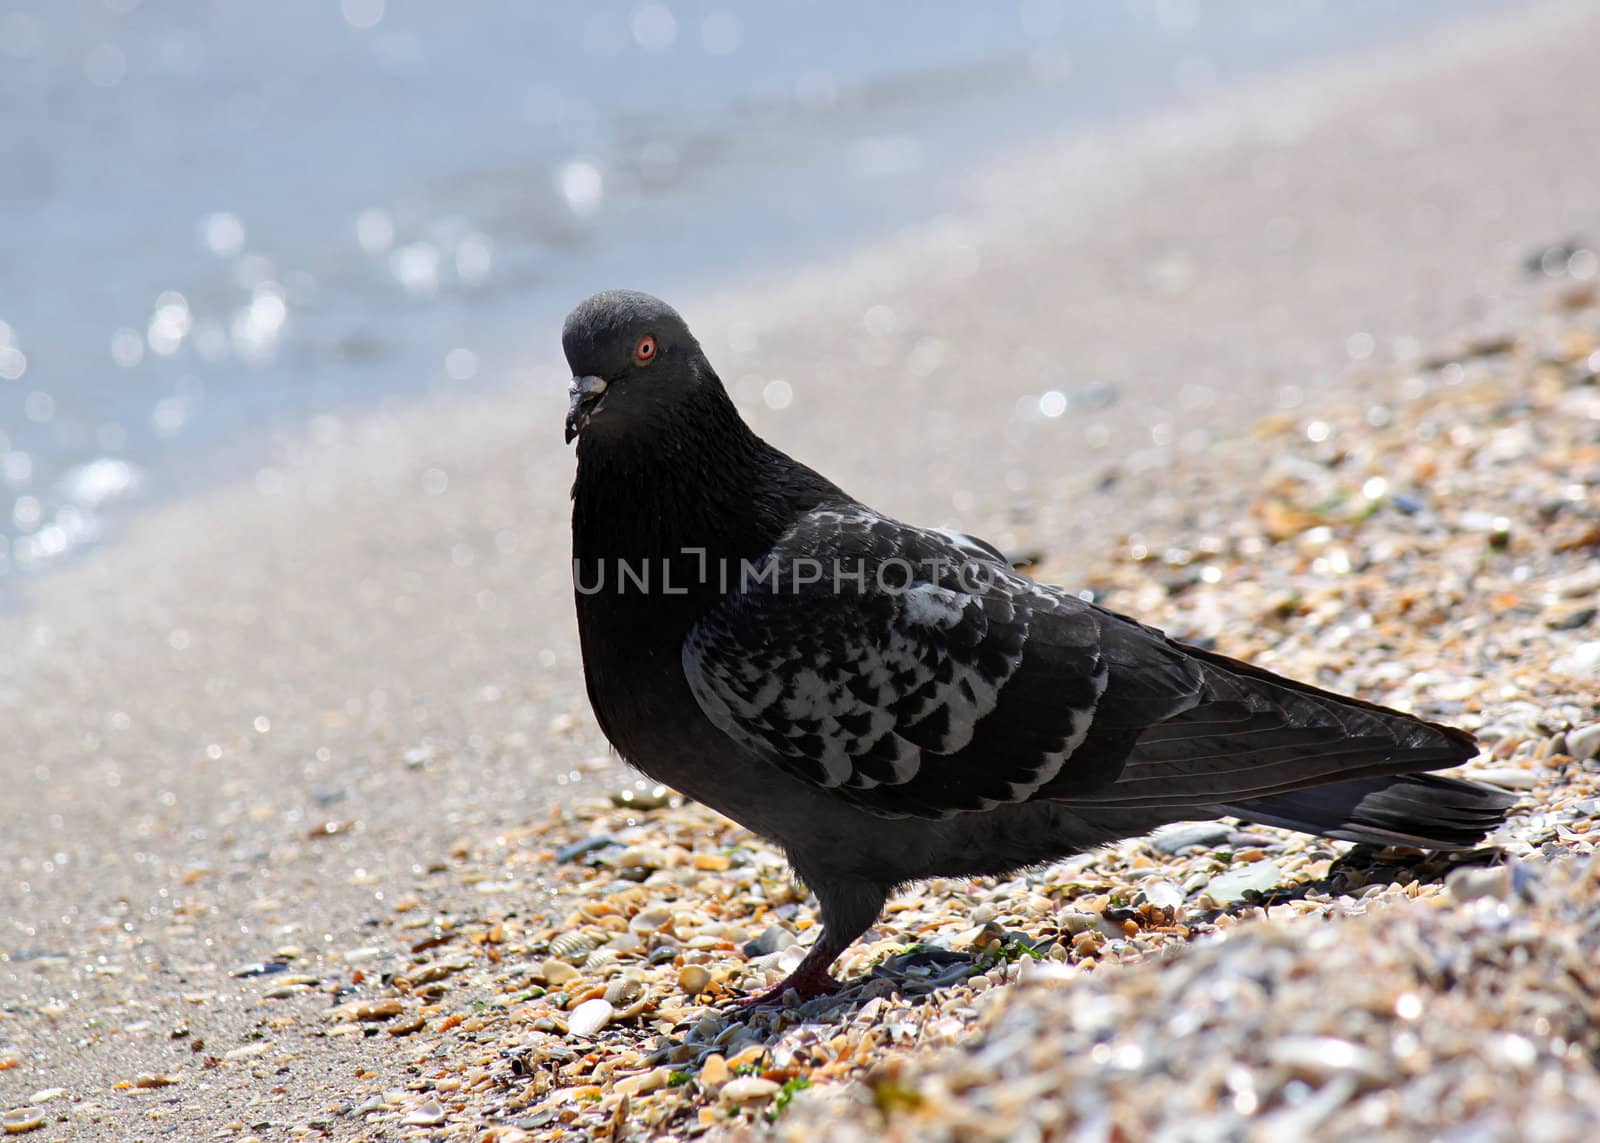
[286,732]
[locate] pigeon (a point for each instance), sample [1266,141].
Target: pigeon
[889,703]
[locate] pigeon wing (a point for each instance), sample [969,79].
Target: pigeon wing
[909,671]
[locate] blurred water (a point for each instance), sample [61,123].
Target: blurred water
[217,219]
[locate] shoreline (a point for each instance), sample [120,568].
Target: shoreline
[272,714]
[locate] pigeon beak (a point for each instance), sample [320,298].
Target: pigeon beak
[585,393]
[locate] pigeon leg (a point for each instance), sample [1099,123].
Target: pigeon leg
[809,980]
[847,911]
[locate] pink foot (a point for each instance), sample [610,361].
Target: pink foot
[811,979]
[808,983]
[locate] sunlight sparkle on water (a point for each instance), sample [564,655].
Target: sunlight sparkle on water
[362,14]
[417,267]
[223,233]
[582,185]
[375,231]
[255,328]
[169,324]
[654,27]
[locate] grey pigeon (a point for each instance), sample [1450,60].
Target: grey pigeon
[890,703]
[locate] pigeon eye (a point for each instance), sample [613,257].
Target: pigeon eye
[645,351]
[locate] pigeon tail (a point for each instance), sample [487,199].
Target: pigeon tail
[1420,810]
[1253,735]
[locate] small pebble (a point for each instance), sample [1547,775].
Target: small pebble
[643,1083]
[1584,743]
[652,798]
[747,1089]
[1582,662]
[714,1071]
[437,970]
[651,920]
[622,992]
[1507,778]
[385,1009]
[1572,620]
[1469,883]
[1584,582]
[574,948]
[22,1120]
[1230,888]
[588,1018]
[259,968]
[1163,895]
[430,1114]
[776,938]
[558,972]
[1321,1057]
[693,979]
[577,849]
[1243,839]
[1172,840]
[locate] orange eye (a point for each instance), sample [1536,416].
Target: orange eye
[645,351]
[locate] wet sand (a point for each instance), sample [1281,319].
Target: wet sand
[272,712]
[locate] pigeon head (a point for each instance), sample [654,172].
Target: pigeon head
[633,360]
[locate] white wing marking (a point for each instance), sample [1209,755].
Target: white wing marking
[797,692]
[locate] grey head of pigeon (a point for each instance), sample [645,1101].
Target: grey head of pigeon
[633,363]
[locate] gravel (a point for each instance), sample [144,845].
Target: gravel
[1416,1021]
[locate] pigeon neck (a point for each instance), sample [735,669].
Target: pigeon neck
[701,481]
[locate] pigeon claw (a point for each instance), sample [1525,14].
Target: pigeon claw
[807,984]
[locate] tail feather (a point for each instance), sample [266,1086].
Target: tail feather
[1335,762]
[1254,736]
[1404,725]
[1419,810]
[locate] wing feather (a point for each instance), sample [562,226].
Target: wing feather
[885,685]
[915,687]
